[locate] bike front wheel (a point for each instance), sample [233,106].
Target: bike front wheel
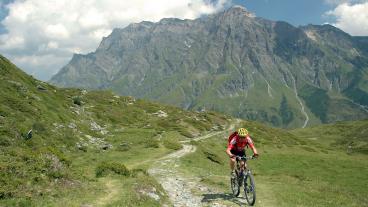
[235,186]
[250,189]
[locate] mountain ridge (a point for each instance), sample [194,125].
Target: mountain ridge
[235,57]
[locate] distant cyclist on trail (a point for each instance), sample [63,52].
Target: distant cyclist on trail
[236,147]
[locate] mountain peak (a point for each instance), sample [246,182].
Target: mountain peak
[237,9]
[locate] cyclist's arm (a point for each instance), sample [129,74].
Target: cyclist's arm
[228,152]
[230,146]
[251,145]
[254,150]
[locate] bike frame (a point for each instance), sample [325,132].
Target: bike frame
[244,174]
[240,160]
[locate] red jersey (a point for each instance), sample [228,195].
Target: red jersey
[238,144]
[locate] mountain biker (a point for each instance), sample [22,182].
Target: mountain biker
[236,147]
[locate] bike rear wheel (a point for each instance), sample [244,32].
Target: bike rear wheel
[250,189]
[235,186]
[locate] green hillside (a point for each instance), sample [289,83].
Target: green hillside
[93,148]
[351,137]
[80,136]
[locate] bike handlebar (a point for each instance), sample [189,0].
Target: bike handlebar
[245,158]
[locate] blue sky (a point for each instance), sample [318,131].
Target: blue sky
[3,13]
[296,12]
[41,36]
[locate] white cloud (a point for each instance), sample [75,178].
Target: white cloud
[42,35]
[12,42]
[52,45]
[56,31]
[338,2]
[352,18]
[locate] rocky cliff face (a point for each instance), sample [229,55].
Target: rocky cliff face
[235,63]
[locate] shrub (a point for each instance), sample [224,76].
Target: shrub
[105,168]
[77,100]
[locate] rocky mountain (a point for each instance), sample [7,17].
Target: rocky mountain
[236,63]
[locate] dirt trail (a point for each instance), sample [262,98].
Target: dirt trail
[179,187]
[174,184]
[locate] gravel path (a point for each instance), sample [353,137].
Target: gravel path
[179,187]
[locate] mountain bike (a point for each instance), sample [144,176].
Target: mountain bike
[244,178]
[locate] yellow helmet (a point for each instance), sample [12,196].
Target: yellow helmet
[242,132]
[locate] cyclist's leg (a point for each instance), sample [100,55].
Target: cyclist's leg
[232,164]
[232,160]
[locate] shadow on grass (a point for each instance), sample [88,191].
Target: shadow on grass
[208,198]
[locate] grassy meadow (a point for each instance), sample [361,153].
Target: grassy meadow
[293,169]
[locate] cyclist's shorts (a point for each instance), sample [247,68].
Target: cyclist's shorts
[238,153]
